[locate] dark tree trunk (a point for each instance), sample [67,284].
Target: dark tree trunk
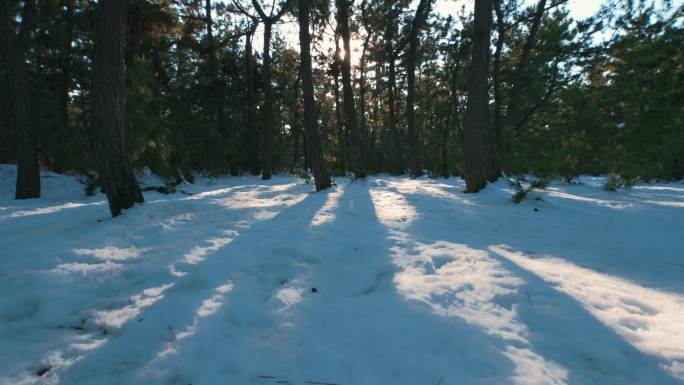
[109,106]
[12,46]
[341,138]
[64,87]
[397,167]
[296,131]
[480,159]
[362,107]
[394,130]
[496,76]
[252,135]
[411,58]
[453,116]
[267,154]
[269,20]
[444,169]
[377,127]
[357,157]
[321,176]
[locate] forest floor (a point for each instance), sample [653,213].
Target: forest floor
[386,281]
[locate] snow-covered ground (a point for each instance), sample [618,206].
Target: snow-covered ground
[388,281]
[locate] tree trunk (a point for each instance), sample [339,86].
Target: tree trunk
[377,127]
[480,162]
[362,107]
[252,135]
[397,167]
[444,169]
[267,155]
[420,18]
[496,76]
[321,176]
[357,158]
[12,47]
[109,106]
[296,131]
[64,87]
[341,138]
[394,131]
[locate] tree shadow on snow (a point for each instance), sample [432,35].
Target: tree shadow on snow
[551,324]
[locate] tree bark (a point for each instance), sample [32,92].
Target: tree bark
[109,106]
[418,21]
[357,158]
[480,159]
[390,32]
[12,48]
[252,135]
[269,21]
[341,138]
[362,97]
[321,176]
[64,87]
[267,155]
[296,131]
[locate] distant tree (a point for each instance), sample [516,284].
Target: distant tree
[359,167]
[13,48]
[419,20]
[313,145]
[392,52]
[109,105]
[268,20]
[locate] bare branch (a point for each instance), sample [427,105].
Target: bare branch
[259,10]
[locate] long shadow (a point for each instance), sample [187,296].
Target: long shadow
[578,230]
[136,343]
[144,271]
[560,328]
[354,329]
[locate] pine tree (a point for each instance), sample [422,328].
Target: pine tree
[109,106]
[480,158]
[12,47]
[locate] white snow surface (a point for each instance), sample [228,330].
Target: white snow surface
[415,283]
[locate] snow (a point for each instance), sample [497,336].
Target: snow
[382,281]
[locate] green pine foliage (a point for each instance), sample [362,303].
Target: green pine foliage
[600,96]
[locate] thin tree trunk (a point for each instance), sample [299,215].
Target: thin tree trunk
[341,138]
[64,87]
[252,135]
[444,145]
[12,47]
[109,106]
[394,131]
[296,131]
[362,105]
[496,76]
[397,167]
[267,155]
[377,126]
[357,159]
[321,176]
[480,162]
[420,18]
[269,21]
[227,148]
